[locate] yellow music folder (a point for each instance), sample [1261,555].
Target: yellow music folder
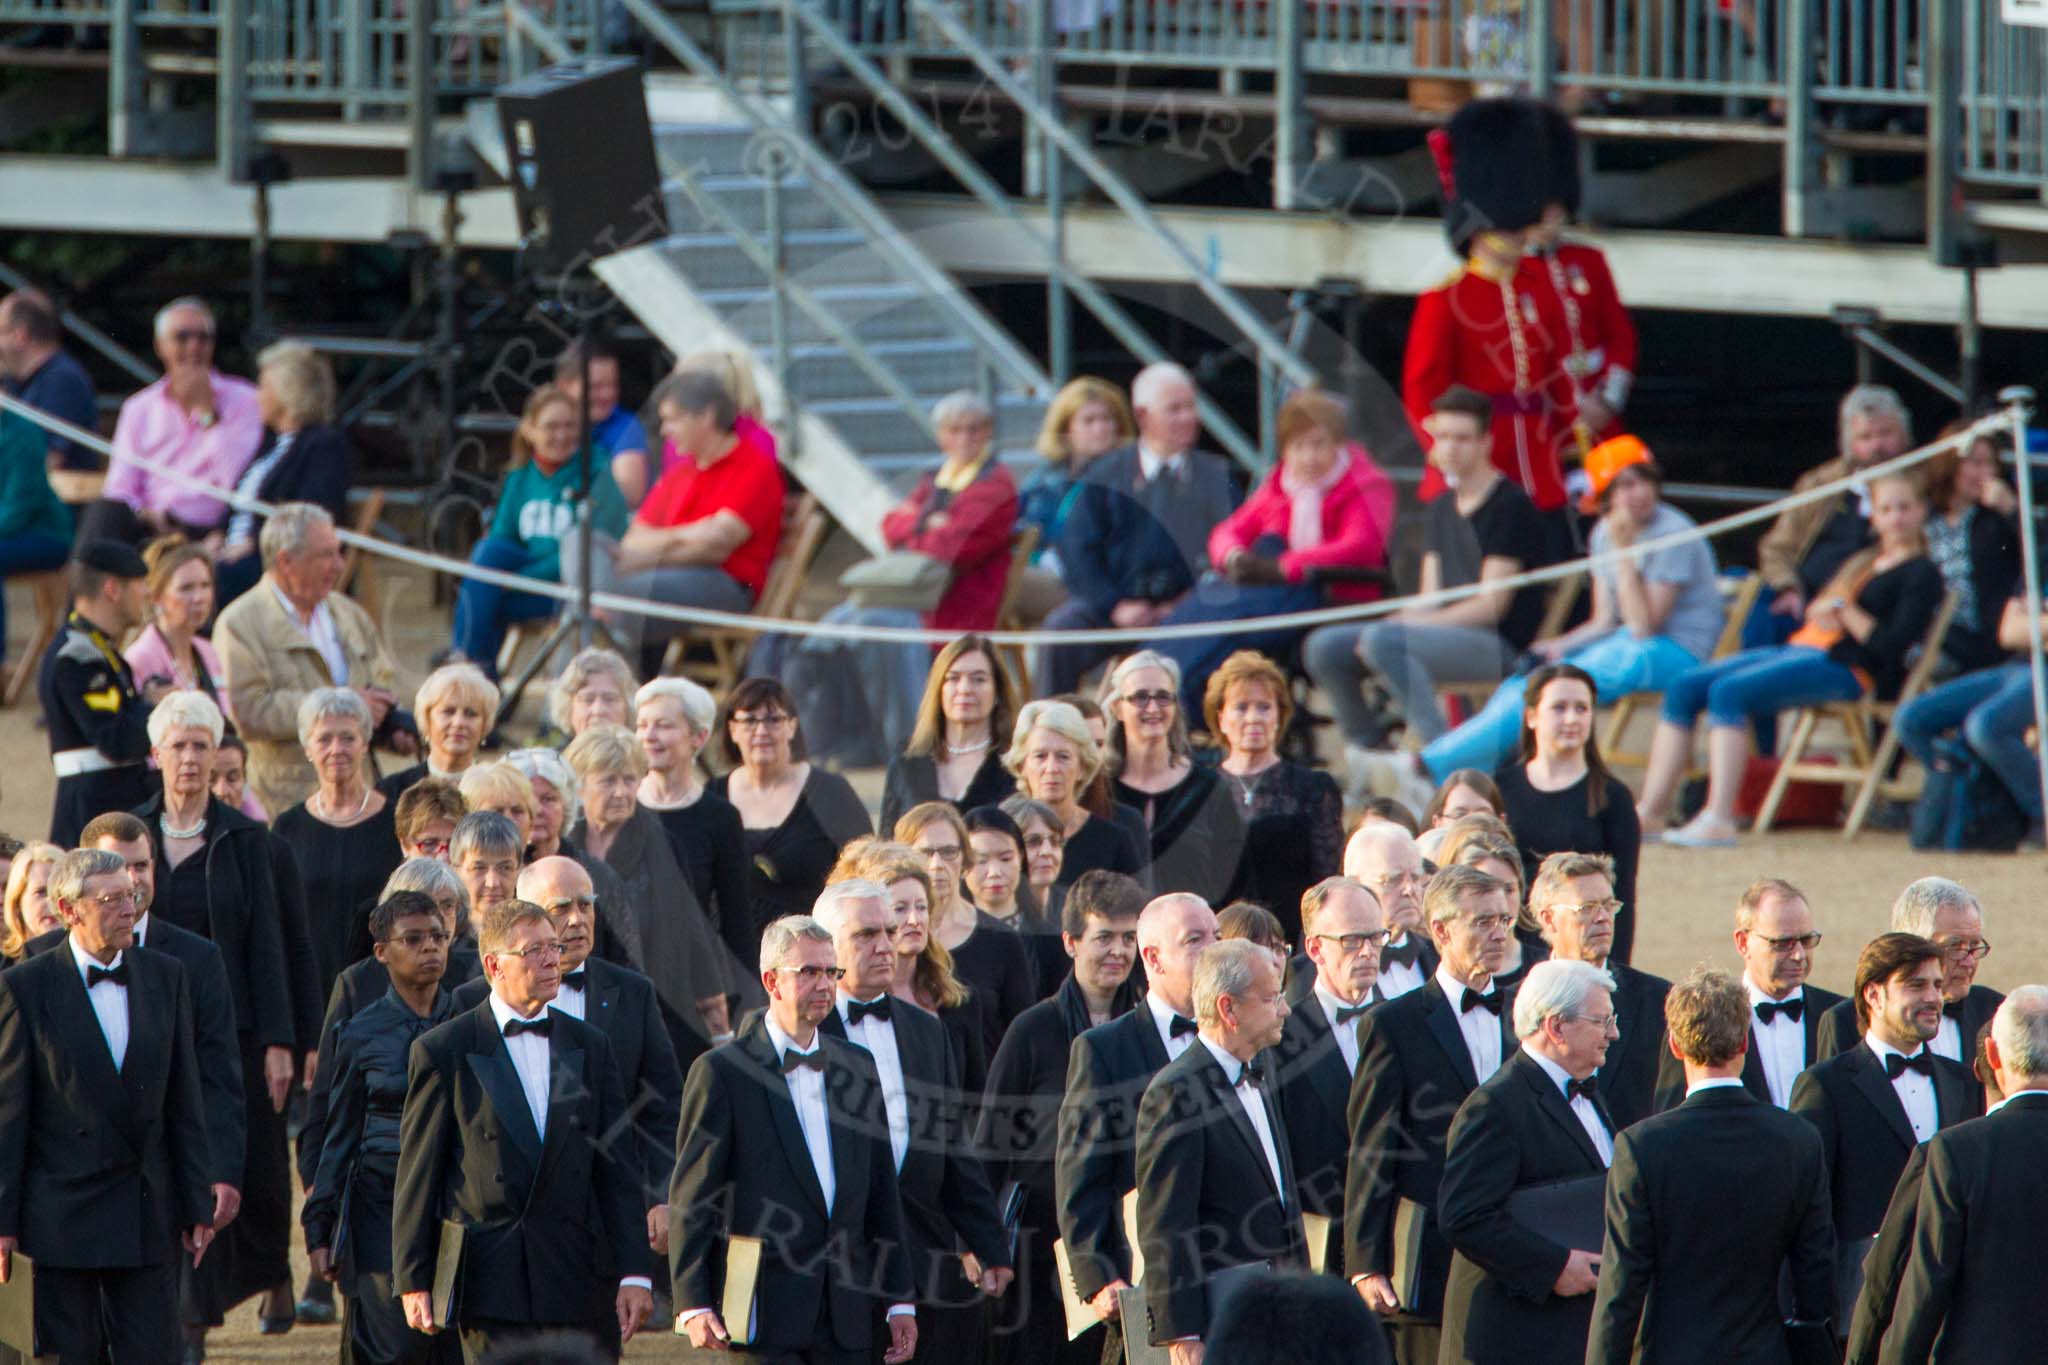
[742,1283]
[18,1307]
[1131,1237]
[1079,1316]
[1316,1228]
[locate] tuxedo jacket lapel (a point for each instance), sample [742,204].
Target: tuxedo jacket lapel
[782,1111]
[1443,1025]
[1561,1112]
[1223,1095]
[1753,1070]
[1875,1087]
[601,1004]
[566,1088]
[1951,1096]
[71,1016]
[1148,1037]
[492,1063]
[1325,1058]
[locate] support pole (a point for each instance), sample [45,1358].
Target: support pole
[2019,403]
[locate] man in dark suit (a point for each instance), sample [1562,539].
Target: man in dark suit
[1705,1203]
[1215,1179]
[1573,898]
[1970,1287]
[1343,928]
[1385,859]
[1094,1164]
[509,1113]
[103,1143]
[771,1147]
[1938,909]
[946,1200]
[1020,1108]
[1874,1104]
[1418,1058]
[1775,936]
[1517,1295]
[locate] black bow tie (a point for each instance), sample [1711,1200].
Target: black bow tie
[1181,1024]
[1953,1009]
[814,1059]
[1408,954]
[1491,1001]
[1252,1074]
[542,1023]
[1767,1010]
[1346,1013]
[857,1010]
[117,975]
[573,981]
[1896,1066]
[1588,1090]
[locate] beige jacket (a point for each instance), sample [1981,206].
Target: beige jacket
[1779,553]
[271,665]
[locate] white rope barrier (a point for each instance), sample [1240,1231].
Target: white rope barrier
[2006,420]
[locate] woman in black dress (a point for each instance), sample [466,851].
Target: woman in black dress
[955,752]
[795,816]
[987,954]
[1045,846]
[342,836]
[673,719]
[996,881]
[1056,761]
[1197,828]
[1294,816]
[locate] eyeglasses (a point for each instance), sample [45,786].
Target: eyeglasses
[1789,942]
[811,976]
[1962,948]
[1038,842]
[431,848]
[1486,924]
[112,900]
[543,951]
[1603,1022]
[1146,700]
[768,721]
[1356,943]
[419,939]
[1588,909]
[1394,879]
[945,853]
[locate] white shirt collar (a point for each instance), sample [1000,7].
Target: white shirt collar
[1884,1049]
[84,959]
[1161,1011]
[1714,1083]
[292,610]
[1559,1077]
[1454,989]
[505,1014]
[1232,1067]
[1331,1004]
[784,1043]
[1758,995]
[1150,462]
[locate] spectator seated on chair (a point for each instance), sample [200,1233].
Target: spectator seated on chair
[859,700]
[308,458]
[1086,420]
[1323,511]
[35,367]
[1858,634]
[1136,537]
[536,511]
[1991,709]
[1974,540]
[1656,613]
[35,526]
[616,435]
[735,370]
[195,420]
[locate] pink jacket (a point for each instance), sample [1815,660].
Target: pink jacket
[1358,522]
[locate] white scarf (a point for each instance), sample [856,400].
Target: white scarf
[1305,503]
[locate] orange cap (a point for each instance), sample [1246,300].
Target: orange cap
[1608,459]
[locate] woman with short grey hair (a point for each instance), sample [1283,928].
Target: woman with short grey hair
[595,687]
[674,720]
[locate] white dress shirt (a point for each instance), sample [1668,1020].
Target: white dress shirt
[1582,1108]
[529,1053]
[109,1002]
[1915,1090]
[1254,1108]
[323,634]
[1347,1036]
[1398,978]
[807,1092]
[1713,1083]
[569,1000]
[1162,1019]
[1948,1039]
[1480,1027]
[1150,462]
[878,1036]
[1781,1044]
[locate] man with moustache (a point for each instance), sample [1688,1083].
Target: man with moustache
[1517,1296]
[1573,900]
[1418,1058]
[1938,909]
[1384,859]
[1216,1182]
[1875,1103]
[1110,1066]
[509,1110]
[1343,930]
[820,1193]
[945,1196]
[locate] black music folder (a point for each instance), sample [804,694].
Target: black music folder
[448,1272]
[1572,1213]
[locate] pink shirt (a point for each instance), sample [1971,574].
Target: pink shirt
[153,427]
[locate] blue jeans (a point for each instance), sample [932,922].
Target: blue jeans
[1757,682]
[1992,707]
[857,700]
[483,610]
[1618,663]
[1218,599]
[29,552]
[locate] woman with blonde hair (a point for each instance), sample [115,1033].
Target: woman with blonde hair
[955,751]
[1197,829]
[1055,760]
[988,954]
[1086,419]
[181,596]
[28,909]
[456,708]
[596,687]
[307,458]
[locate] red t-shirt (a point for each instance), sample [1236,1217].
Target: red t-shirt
[748,482]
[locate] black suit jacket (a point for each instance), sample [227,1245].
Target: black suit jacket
[1864,1131]
[1886,1264]
[549,1219]
[1628,1078]
[1972,1282]
[1413,1072]
[319,468]
[620,1003]
[742,1168]
[1838,1033]
[1705,1203]
[1315,1090]
[1206,1196]
[1671,1075]
[1095,1163]
[99,1168]
[1516,1130]
[945,1194]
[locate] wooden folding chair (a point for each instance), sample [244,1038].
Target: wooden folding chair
[1557,609]
[714,655]
[1023,544]
[52,591]
[1738,597]
[1866,766]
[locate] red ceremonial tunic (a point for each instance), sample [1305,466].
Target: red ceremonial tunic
[1575,291]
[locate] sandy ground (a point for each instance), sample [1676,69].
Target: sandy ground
[1687,897]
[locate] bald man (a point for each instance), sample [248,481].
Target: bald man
[1387,861]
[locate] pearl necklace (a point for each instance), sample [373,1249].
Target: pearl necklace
[361,806]
[193,833]
[957,750]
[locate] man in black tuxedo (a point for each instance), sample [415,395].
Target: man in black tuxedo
[1418,1058]
[1385,859]
[771,1146]
[1343,929]
[1705,1203]
[1094,1164]
[1517,1295]
[1215,1179]
[1020,1108]
[1938,909]
[1573,898]
[103,1143]
[511,1112]
[1971,1286]
[946,1200]
[1775,936]
[1876,1103]
[621,1004]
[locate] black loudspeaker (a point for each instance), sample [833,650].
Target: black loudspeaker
[584,179]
